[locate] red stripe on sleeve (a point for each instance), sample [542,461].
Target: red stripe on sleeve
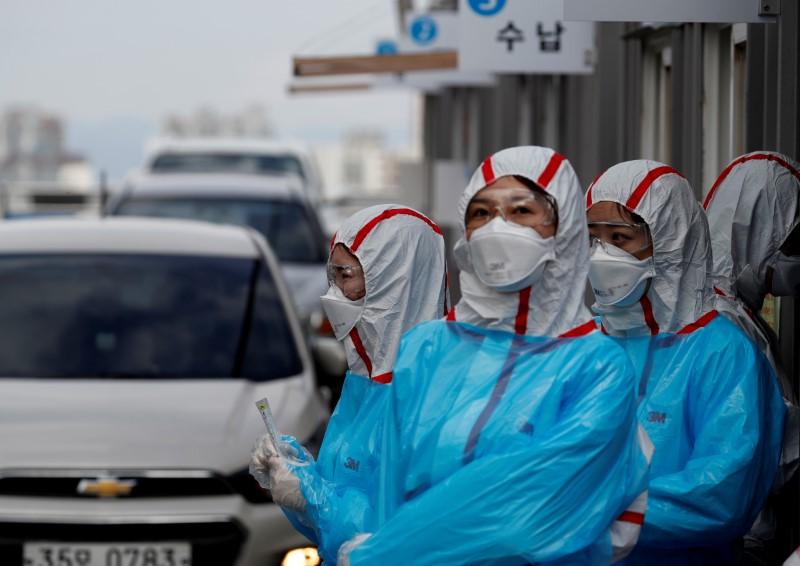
[360,350]
[521,322]
[386,214]
[649,318]
[699,323]
[647,182]
[451,315]
[383,378]
[488,171]
[743,159]
[632,517]
[581,330]
[550,171]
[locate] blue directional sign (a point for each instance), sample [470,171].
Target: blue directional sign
[487,7]
[423,30]
[386,47]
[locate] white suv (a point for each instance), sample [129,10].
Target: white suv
[234,156]
[131,355]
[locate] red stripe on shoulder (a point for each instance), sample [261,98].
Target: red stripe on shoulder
[383,378]
[521,321]
[582,330]
[699,323]
[361,351]
[647,182]
[385,215]
[488,171]
[649,317]
[743,159]
[550,171]
[631,517]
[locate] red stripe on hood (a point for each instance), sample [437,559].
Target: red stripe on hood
[550,171]
[647,182]
[386,214]
[743,159]
[488,171]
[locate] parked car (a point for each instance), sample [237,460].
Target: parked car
[132,352]
[234,155]
[275,206]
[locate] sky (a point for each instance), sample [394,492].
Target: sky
[114,70]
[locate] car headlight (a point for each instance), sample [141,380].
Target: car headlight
[301,557]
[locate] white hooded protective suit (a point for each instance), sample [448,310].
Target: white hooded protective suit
[681,248]
[752,207]
[511,436]
[402,256]
[555,304]
[707,397]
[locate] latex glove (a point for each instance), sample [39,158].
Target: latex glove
[272,471]
[343,557]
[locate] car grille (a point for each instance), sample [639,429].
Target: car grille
[169,483]
[215,543]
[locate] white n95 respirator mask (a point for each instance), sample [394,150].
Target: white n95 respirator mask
[617,277]
[505,256]
[342,313]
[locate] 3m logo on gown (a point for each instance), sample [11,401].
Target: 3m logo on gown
[351,464]
[656,417]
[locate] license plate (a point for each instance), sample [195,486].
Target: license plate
[111,554]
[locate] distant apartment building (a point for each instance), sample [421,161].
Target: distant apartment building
[361,164]
[33,152]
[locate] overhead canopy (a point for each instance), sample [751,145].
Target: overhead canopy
[721,11]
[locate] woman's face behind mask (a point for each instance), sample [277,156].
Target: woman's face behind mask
[621,261]
[509,235]
[513,201]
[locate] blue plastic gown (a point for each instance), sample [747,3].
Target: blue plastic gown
[340,488]
[711,407]
[504,449]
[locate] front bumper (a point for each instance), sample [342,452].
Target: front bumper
[223,530]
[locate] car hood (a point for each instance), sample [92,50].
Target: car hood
[306,283]
[196,424]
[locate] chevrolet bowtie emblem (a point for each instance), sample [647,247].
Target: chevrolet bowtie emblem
[106,487]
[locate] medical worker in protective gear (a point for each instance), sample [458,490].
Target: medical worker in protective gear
[753,210]
[511,436]
[387,274]
[707,397]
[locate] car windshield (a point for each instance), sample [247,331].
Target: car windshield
[243,163]
[288,226]
[149,316]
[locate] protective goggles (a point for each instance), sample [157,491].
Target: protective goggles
[526,208]
[338,274]
[632,238]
